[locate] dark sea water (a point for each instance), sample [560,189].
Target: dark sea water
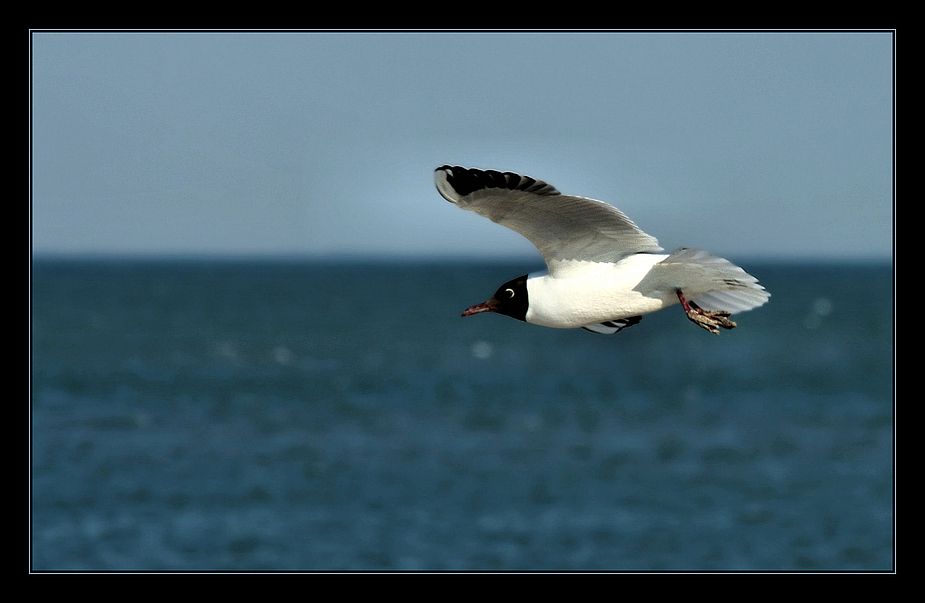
[210,415]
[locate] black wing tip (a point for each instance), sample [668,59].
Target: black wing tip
[464,181]
[610,327]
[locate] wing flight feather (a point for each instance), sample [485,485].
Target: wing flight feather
[562,227]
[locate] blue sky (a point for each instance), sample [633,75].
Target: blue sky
[775,145]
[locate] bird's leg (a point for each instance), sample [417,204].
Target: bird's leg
[706,319]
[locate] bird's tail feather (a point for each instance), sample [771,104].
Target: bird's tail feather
[714,283]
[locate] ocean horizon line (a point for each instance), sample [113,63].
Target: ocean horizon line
[372,258]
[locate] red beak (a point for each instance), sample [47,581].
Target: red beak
[488,306]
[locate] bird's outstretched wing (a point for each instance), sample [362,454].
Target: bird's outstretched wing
[561,226]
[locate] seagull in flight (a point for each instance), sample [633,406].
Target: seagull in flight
[603,273]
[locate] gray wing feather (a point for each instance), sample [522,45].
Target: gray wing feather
[562,227]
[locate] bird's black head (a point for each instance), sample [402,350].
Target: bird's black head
[510,299]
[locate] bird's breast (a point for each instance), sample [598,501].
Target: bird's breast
[595,294]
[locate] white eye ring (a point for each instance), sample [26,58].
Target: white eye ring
[510,292]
